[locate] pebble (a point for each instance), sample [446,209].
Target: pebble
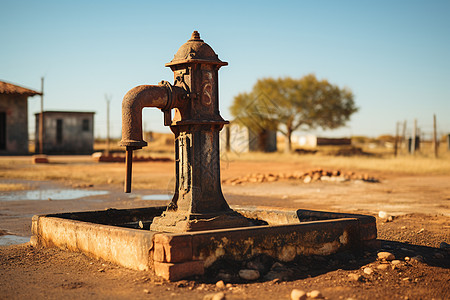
[407,258]
[249,274]
[386,255]
[368,271]
[417,258]
[421,230]
[382,214]
[383,267]
[276,281]
[340,179]
[216,296]
[298,295]
[314,294]
[396,262]
[406,279]
[219,296]
[220,284]
[354,277]
[307,179]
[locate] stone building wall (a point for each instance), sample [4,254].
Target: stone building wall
[67,132]
[13,124]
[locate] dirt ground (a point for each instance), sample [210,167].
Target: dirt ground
[417,235]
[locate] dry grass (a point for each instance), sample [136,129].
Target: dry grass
[400,165]
[156,175]
[405,164]
[73,171]
[9,187]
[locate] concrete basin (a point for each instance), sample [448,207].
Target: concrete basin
[122,236]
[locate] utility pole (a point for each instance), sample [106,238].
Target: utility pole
[435,142]
[108,100]
[396,139]
[403,140]
[41,120]
[414,137]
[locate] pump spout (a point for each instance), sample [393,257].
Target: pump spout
[163,96]
[133,103]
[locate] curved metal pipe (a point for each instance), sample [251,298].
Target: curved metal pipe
[163,96]
[133,102]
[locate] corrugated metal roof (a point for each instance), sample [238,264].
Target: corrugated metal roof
[12,89]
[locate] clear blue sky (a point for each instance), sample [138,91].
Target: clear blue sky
[393,55]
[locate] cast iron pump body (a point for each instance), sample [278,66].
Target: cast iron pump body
[198,202]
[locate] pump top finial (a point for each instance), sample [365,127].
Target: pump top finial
[195,36]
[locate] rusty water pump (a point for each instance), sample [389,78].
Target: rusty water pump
[182,240]
[198,202]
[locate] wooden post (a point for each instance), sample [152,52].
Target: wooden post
[41,120]
[403,139]
[414,136]
[448,142]
[108,100]
[396,139]
[435,142]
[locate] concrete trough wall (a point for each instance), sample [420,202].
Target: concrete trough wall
[127,247]
[282,242]
[96,234]
[113,236]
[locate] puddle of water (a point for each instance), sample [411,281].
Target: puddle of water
[6,240]
[53,194]
[157,197]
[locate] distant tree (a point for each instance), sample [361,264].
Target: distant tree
[289,104]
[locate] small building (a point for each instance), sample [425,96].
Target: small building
[66,132]
[14,118]
[239,139]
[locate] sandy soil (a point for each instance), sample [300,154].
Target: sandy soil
[420,205]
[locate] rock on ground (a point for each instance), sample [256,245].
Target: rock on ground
[298,295]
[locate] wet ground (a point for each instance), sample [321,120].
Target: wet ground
[396,196]
[44,197]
